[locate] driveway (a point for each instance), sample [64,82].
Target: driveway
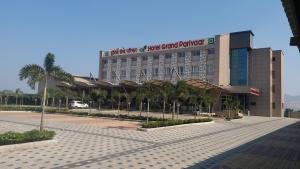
[85,145]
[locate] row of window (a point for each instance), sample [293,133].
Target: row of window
[167,56]
[195,70]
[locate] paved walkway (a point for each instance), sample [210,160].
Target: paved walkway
[92,146]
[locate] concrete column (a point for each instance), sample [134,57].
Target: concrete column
[128,68]
[118,71]
[188,65]
[161,67]
[174,66]
[202,65]
[108,72]
[149,67]
[138,68]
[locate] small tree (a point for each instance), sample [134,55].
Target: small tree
[99,95]
[208,101]
[35,73]
[18,93]
[140,97]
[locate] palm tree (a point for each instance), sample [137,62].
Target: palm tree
[116,96]
[140,97]
[164,97]
[99,95]
[229,102]
[149,90]
[18,93]
[208,101]
[35,73]
[129,97]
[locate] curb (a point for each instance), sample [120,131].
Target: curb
[171,127]
[24,146]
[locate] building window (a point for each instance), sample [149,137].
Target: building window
[114,61]
[133,61]
[273,88]
[123,74]
[124,60]
[145,71]
[167,71]
[180,70]
[155,57]
[273,74]
[144,58]
[211,51]
[210,69]
[239,66]
[181,54]
[104,62]
[155,71]
[274,105]
[195,52]
[195,70]
[273,59]
[132,74]
[168,55]
[104,75]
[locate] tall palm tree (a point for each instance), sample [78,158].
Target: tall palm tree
[164,97]
[35,73]
[149,90]
[116,96]
[129,97]
[208,101]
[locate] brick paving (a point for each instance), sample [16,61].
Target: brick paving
[86,145]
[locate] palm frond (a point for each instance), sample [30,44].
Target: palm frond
[49,62]
[33,72]
[59,74]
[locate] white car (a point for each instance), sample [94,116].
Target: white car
[78,104]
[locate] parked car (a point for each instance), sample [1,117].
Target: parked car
[78,104]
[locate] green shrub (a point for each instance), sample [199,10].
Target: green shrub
[28,136]
[155,124]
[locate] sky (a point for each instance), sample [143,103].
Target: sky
[76,30]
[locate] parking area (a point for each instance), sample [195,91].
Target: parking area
[84,144]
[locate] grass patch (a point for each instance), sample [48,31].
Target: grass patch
[28,136]
[20,108]
[155,124]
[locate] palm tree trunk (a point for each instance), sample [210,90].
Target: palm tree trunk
[164,109]
[173,113]
[67,101]
[177,111]
[99,106]
[53,100]
[119,107]
[141,108]
[43,105]
[148,109]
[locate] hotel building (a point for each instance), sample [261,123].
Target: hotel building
[253,75]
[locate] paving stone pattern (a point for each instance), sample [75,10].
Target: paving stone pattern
[89,146]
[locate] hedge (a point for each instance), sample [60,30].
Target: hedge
[155,124]
[28,136]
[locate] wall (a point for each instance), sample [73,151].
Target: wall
[260,76]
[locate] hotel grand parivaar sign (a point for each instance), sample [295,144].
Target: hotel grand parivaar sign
[160,47]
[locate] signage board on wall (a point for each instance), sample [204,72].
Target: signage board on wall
[160,47]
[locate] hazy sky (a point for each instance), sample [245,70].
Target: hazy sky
[75,30]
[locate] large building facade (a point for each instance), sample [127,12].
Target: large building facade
[254,75]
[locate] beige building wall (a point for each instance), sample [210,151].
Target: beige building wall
[222,62]
[260,76]
[278,83]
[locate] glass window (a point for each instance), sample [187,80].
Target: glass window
[167,71]
[145,71]
[132,74]
[104,62]
[181,54]
[210,69]
[168,55]
[239,66]
[123,60]
[180,70]
[145,58]
[155,57]
[114,61]
[273,74]
[211,51]
[195,52]
[155,71]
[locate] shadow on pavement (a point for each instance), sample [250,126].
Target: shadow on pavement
[277,150]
